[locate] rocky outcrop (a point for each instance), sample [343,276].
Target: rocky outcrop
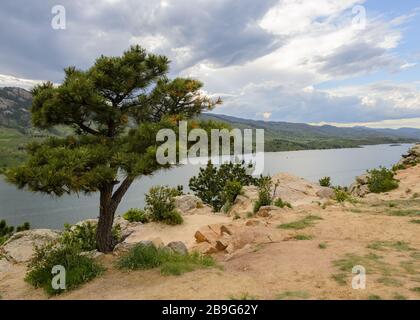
[20,246]
[360,187]
[177,247]
[412,157]
[230,238]
[298,191]
[187,202]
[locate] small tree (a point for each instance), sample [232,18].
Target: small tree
[115,108]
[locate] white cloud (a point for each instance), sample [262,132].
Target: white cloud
[11,81]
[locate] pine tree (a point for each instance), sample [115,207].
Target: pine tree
[115,109]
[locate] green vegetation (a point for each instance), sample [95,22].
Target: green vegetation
[306,222]
[264,193]
[372,262]
[79,269]
[396,245]
[302,237]
[7,231]
[398,296]
[415,221]
[390,282]
[374,297]
[143,257]
[218,185]
[340,278]
[281,204]
[136,215]
[381,180]
[293,295]
[117,108]
[160,205]
[416,289]
[325,182]
[322,245]
[341,195]
[404,213]
[243,296]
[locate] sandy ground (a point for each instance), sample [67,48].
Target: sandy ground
[285,268]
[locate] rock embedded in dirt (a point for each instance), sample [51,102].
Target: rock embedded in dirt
[20,246]
[205,248]
[187,202]
[206,234]
[178,247]
[94,254]
[157,242]
[265,211]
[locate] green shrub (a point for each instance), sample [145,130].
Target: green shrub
[79,269]
[281,204]
[264,193]
[23,227]
[341,195]
[231,190]
[325,182]
[83,236]
[210,185]
[160,204]
[136,215]
[381,180]
[143,257]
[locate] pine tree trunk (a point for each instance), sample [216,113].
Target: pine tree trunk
[104,239]
[108,206]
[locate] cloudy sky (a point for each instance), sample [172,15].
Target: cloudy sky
[344,62]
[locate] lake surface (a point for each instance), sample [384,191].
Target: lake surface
[342,165]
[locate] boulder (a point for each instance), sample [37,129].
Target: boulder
[206,234]
[205,248]
[20,246]
[157,242]
[92,254]
[178,247]
[124,247]
[325,193]
[363,179]
[187,202]
[252,222]
[5,266]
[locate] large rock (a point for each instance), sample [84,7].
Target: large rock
[187,202]
[178,247]
[205,248]
[325,193]
[206,234]
[412,157]
[20,246]
[265,211]
[244,203]
[360,187]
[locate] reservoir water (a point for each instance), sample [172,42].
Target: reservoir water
[342,165]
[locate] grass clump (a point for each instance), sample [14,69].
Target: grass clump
[416,289]
[390,282]
[374,297]
[143,257]
[404,213]
[79,269]
[243,296]
[381,180]
[415,221]
[340,278]
[293,295]
[325,182]
[396,245]
[306,222]
[7,231]
[322,245]
[281,204]
[302,237]
[341,195]
[136,215]
[372,262]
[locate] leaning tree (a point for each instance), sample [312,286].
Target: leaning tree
[115,110]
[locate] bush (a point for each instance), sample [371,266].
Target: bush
[136,215]
[264,193]
[230,192]
[83,236]
[281,204]
[143,257]
[325,182]
[341,195]
[210,185]
[160,204]
[79,269]
[381,180]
